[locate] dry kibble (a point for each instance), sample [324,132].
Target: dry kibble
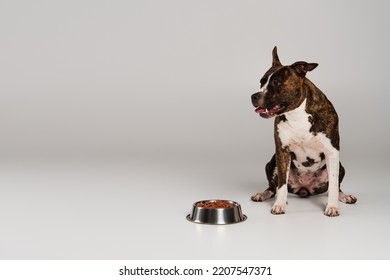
[215,204]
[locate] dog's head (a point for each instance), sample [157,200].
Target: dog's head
[281,87]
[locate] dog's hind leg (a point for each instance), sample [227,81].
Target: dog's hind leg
[268,193]
[345,198]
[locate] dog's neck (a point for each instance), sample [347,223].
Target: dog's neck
[298,117]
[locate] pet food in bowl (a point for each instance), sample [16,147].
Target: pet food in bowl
[215,204]
[216,212]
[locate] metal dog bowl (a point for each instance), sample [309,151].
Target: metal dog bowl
[203,214]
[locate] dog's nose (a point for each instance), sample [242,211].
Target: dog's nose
[255,97]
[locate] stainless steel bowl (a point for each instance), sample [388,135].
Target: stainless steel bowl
[216,216]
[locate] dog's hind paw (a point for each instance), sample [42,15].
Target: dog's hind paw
[262,196]
[278,209]
[332,211]
[347,198]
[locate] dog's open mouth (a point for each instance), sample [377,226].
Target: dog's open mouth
[270,112]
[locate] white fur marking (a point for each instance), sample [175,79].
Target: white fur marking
[281,195]
[332,163]
[263,89]
[281,200]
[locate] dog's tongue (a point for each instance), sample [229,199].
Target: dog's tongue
[268,113]
[260,110]
[264,112]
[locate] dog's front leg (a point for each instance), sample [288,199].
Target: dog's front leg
[283,166]
[333,164]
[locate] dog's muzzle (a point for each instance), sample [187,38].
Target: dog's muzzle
[266,111]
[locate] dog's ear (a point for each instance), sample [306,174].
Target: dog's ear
[302,67]
[275,58]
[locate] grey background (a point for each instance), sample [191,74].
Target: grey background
[116,116]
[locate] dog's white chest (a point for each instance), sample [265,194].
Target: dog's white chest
[295,135]
[296,129]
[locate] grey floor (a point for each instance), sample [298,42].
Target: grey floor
[135,208]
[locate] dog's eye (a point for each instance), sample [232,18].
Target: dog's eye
[276,82]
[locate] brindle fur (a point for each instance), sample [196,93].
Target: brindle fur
[292,89]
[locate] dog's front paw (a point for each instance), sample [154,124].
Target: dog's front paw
[332,211]
[278,209]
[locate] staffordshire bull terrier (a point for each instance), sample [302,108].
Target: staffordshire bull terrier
[306,135]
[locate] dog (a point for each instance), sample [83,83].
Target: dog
[306,134]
